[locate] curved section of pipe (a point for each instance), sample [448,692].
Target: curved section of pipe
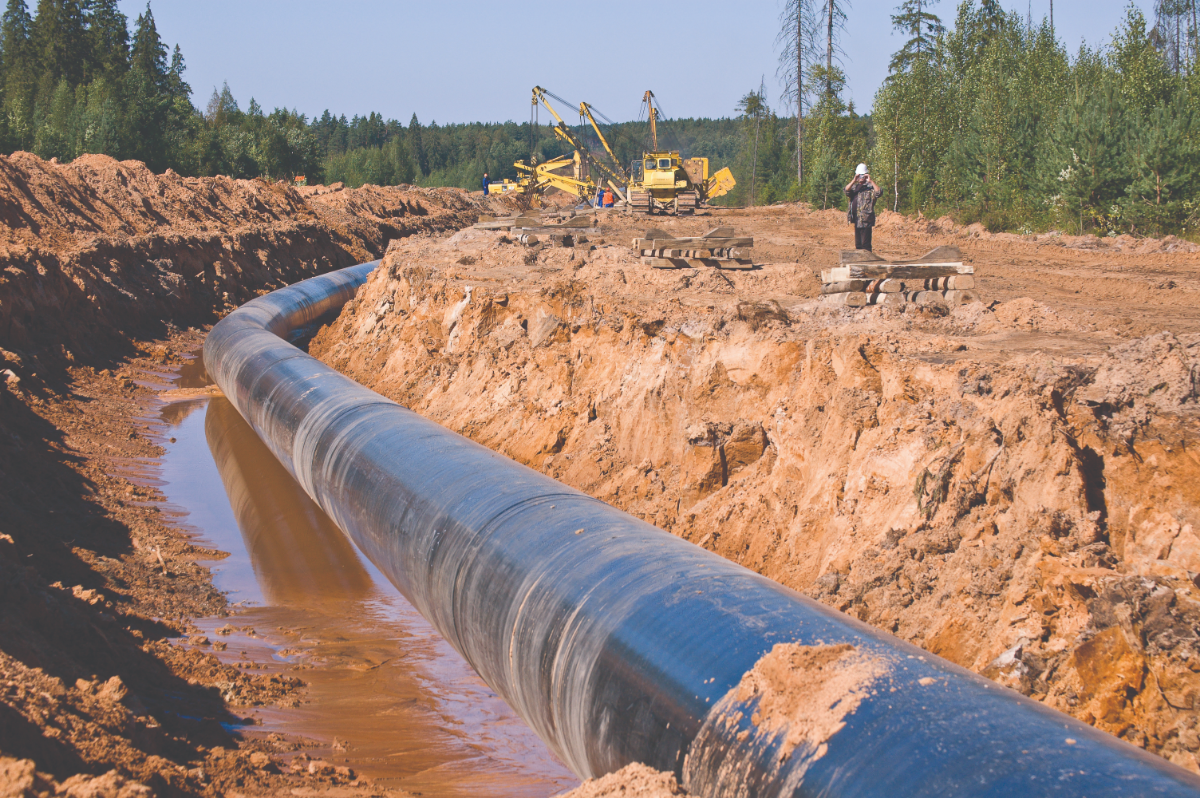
[616,641]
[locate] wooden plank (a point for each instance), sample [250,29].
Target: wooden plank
[885,286]
[737,264]
[887,300]
[696,263]
[693,243]
[580,221]
[940,255]
[848,256]
[843,287]
[936,255]
[719,232]
[959,297]
[926,297]
[503,224]
[961,282]
[860,271]
[853,299]
[557,230]
[664,263]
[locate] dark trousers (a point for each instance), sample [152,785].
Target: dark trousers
[862,237]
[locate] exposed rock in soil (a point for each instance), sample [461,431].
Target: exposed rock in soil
[1013,486]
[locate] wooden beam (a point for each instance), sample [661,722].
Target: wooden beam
[691,243]
[868,271]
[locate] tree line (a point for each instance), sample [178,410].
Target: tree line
[77,78]
[991,119]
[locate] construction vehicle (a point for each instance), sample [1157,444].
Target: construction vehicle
[581,182]
[664,181]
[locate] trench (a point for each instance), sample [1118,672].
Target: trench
[385,695]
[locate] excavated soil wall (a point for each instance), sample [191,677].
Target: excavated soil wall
[96,251]
[1010,487]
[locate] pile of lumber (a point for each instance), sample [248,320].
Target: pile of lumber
[863,278]
[532,228]
[718,248]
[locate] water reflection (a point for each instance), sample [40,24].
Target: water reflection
[298,555]
[385,694]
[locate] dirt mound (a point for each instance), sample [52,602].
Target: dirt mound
[632,781]
[804,693]
[1011,486]
[97,249]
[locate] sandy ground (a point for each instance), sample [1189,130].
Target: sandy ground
[1010,484]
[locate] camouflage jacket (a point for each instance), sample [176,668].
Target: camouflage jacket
[862,205]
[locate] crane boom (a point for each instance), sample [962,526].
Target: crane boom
[648,99]
[585,110]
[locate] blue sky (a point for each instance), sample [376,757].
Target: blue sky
[454,61]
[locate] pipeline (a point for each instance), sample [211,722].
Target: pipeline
[616,641]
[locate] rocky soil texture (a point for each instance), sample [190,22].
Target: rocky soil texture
[1013,485]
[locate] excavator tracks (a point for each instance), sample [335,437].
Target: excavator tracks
[686,202]
[639,201]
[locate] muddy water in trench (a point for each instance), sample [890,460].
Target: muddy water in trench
[386,695]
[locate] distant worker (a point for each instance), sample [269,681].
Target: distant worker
[486,183]
[862,192]
[608,198]
[599,196]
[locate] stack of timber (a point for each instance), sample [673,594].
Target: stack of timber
[532,228]
[719,248]
[863,278]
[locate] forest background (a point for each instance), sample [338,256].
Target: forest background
[988,119]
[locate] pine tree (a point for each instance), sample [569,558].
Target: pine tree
[108,34]
[148,53]
[417,147]
[922,27]
[60,40]
[16,52]
[1166,168]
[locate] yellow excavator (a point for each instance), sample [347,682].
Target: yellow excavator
[663,181]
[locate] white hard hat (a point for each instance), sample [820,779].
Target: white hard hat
[861,169]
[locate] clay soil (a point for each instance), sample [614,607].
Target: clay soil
[1013,485]
[110,271]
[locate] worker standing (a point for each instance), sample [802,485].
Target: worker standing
[608,198]
[862,192]
[486,183]
[600,196]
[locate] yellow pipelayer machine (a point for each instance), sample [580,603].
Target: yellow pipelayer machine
[660,181]
[665,181]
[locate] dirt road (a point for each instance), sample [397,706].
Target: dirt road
[1010,484]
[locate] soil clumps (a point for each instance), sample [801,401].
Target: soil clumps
[632,781]
[1011,485]
[804,693]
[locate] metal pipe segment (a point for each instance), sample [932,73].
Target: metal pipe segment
[616,641]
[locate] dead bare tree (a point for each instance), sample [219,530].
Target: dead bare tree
[796,41]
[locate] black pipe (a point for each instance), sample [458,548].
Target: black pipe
[618,642]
